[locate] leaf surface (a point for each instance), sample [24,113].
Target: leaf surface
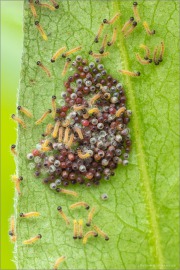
[141,214]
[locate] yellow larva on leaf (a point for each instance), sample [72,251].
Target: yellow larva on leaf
[104,43]
[29,215]
[33,10]
[98,55]
[18,120]
[100,232]
[67,63]
[131,29]
[78,107]
[59,208]
[41,30]
[17,180]
[127,24]
[142,61]
[66,123]
[45,147]
[49,129]
[44,68]
[53,103]
[67,191]
[94,98]
[57,54]
[93,111]
[75,229]
[60,136]
[71,140]
[45,143]
[96,40]
[136,13]
[58,261]
[116,16]
[56,129]
[148,31]
[130,73]
[45,5]
[120,111]
[84,204]
[64,55]
[90,216]
[147,50]
[89,234]
[43,117]
[25,111]
[83,156]
[54,4]
[66,135]
[79,132]
[110,43]
[32,240]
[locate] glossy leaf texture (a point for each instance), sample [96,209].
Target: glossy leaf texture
[141,214]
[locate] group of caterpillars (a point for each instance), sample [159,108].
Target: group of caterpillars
[32,240]
[64,132]
[52,7]
[17,180]
[17,119]
[77,227]
[60,130]
[147,60]
[56,55]
[127,29]
[44,36]
[74,50]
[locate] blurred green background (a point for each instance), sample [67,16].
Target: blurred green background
[11,50]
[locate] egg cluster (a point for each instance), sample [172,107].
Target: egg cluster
[89,137]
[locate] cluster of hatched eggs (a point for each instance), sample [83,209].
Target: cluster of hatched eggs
[95,113]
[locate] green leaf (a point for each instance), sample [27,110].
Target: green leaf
[141,214]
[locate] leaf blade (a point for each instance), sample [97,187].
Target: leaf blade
[130,230]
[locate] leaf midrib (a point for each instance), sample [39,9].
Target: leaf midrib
[138,144]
